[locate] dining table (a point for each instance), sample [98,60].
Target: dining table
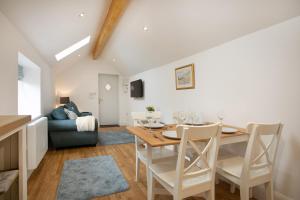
[154,138]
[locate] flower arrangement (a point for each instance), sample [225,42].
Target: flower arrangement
[150,108]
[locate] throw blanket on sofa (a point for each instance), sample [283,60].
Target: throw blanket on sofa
[86,123]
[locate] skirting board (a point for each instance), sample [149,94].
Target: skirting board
[280,196]
[123,123]
[259,193]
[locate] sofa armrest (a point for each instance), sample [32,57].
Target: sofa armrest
[62,125]
[83,114]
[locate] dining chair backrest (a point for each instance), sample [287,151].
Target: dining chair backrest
[205,162]
[154,115]
[262,148]
[138,116]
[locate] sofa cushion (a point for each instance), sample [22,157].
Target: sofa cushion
[72,106]
[83,114]
[59,113]
[49,116]
[70,114]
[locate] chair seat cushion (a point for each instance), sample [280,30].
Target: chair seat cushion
[234,166]
[166,171]
[6,180]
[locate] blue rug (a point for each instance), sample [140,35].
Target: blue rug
[115,137]
[90,177]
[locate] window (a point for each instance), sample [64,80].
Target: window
[29,87]
[72,48]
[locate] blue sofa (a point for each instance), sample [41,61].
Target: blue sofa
[63,131]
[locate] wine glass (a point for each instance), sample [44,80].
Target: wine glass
[176,117]
[182,117]
[189,117]
[220,116]
[149,118]
[140,123]
[194,118]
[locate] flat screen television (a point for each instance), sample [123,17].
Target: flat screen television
[136,88]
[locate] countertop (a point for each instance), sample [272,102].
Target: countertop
[9,123]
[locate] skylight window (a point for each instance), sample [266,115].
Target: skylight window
[72,48]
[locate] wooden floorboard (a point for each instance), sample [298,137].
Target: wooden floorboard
[45,179]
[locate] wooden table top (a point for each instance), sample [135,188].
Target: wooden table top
[9,123]
[155,138]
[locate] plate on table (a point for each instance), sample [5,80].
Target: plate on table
[227,130]
[197,124]
[171,135]
[156,125]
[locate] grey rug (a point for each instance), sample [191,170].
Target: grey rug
[90,177]
[114,137]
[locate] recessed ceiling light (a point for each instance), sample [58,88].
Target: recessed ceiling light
[145,28]
[114,60]
[78,55]
[72,48]
[82,14]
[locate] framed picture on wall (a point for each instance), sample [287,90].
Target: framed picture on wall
[185,77]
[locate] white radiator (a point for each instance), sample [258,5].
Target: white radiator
[37,142]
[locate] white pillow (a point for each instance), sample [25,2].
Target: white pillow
[71,114]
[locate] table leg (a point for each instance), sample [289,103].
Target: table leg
[149,174]
[22,164]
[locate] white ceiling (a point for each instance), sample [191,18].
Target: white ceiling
[177,28]
[53,25]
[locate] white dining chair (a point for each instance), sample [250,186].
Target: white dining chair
[140,146]
[256,167]
[183,179]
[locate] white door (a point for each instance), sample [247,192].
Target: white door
[108,99]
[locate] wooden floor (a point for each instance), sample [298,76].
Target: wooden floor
[44,180]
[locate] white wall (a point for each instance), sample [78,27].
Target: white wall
[253,78]
[13,42]
[80,83]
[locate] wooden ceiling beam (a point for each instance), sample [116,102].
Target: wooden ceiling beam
[115,12]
